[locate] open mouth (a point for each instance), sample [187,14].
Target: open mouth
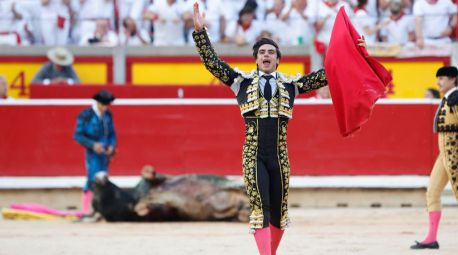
[266,61]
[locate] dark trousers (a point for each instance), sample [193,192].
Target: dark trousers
[269,180]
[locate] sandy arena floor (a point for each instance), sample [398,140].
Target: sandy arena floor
[382,231]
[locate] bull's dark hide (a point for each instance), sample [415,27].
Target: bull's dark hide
[172,198]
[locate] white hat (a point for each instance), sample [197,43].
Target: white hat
[60,56]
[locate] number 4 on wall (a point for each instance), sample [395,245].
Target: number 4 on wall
[18,83]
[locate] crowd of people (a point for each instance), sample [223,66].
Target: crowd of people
[241,22]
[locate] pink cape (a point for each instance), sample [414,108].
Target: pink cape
[356,80]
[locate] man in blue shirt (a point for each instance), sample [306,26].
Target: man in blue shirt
[95,131]
[58,70]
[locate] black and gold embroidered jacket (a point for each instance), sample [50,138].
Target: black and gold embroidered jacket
[447,114]
[246,87]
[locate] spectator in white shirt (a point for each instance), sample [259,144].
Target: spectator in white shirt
[131,35]
[364,23]
[55,18]
[136,12]
[383,9]
[245,30]
[232,9]
[301,30]
[435,21]
[215,22]
[90,11]
[168,19]
[15,25]
[327,12]
[275,25]
[399,28]
[102,36]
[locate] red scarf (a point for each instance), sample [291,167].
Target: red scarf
[357,9]
[394,18]
[245,27]
[356,80]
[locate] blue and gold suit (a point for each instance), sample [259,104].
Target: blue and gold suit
[266,166]
[91,129]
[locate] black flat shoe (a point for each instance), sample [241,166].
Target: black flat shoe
[418,245]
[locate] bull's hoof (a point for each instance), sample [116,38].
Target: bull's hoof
[141,209]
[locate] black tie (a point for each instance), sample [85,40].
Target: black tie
[267,87]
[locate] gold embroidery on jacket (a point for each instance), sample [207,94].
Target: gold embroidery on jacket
[279,105]
[312,81]
[250,150]
[450,157]
[285,171]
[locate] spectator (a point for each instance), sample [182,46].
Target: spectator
[214,18]
[125,8]
[259,7]
[15,25]
[102,36]
[398,28]
[383,9]
[327,12]
[364,23]
[245,30]
[91,11]
[136,13]
[232,9]
[168,22]
[55,21]
[274,24]
[301,30]
[95,132]
[3,88]
[266,34]
[435,21]
[131,36]
[432,93]
[58,70]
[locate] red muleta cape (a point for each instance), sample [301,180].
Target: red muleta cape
[356,80]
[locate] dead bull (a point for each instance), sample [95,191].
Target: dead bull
[172,198]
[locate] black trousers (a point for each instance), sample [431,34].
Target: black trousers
[266,171]
[270,189]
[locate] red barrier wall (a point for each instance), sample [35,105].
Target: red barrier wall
[127,91]
[37,140]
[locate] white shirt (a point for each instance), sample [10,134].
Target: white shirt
[272,82]
[109,39]
[9,24]
[324,35]
[450,92]
[96,109]
[277,28]
[232,8]
[362,20]
[135,40]
[250,34]
[96,9]
[300,30]
[168,29]
[214,10]
[435,16]
[398,31]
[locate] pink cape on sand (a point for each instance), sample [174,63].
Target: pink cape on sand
[356,80]
[38,208]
